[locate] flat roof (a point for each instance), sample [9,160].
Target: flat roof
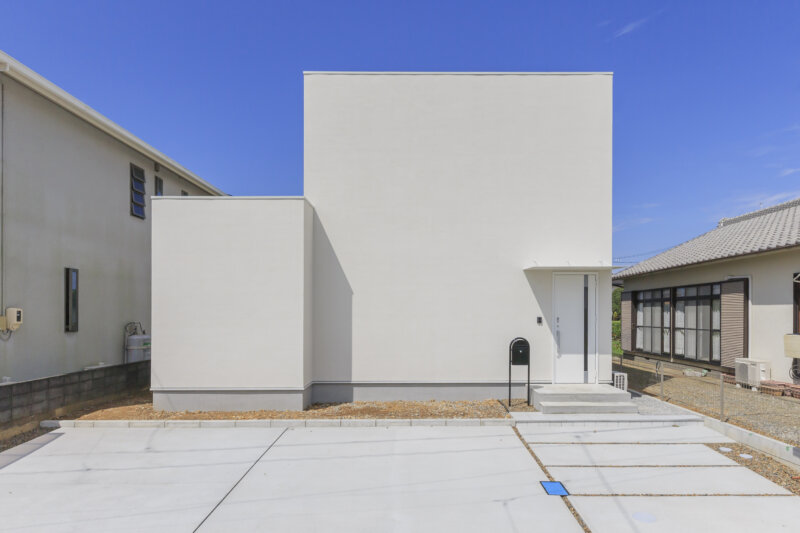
[37,83]
[455,73]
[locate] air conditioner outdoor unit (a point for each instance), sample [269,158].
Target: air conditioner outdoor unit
[620,380]
[751,372]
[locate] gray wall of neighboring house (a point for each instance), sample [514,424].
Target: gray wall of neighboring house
[771,307]
[66,203]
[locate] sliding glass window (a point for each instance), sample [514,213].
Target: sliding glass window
[653,310]
[697,322]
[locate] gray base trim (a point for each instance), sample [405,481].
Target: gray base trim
[247,400]
[255,400]
[370,392]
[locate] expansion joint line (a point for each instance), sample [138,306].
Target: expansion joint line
[239,481]
[564,499]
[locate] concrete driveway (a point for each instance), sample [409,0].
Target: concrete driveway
[640,479]
[298,479]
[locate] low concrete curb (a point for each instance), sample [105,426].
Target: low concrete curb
[279,423]
[783,452]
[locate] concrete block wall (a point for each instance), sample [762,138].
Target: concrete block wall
[21,401]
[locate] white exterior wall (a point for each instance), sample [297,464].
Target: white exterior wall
[771,306]
[437,210]
[66,203]
[433,194]
[230,299]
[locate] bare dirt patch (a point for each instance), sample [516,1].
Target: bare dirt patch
[518,405]
[398,409]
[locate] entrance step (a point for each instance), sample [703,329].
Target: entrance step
[581,398]
[587,407]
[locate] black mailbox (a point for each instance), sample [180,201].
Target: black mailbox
[520,352]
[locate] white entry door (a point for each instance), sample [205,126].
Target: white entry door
[575,357]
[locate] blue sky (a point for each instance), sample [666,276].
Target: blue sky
[706,93]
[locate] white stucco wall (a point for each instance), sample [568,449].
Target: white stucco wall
[66,194]
[231,294]
[433,193]
[771,307]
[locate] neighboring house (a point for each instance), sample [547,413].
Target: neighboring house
[444,215]
[74,194]
[730,293]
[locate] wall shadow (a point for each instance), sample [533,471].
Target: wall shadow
[331,323]
[541,284]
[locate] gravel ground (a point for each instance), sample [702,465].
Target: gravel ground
[776,417]
[651,406]
[399,409]
[763,465]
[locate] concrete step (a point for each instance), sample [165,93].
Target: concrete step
[581,407]
[577,393]
[581,393]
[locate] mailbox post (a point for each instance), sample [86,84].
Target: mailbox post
[519,353]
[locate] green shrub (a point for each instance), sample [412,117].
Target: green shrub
[616,330]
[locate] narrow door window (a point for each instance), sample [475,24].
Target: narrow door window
[71,299]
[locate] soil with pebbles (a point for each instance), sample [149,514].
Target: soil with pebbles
[518,405]
[398,409]
[21,438]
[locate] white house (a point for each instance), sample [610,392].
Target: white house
[733,292]
[444,215]
[74,227]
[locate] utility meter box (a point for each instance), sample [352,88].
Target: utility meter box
[12,319]
[791,345]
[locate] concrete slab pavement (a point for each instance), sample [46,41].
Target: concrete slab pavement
[126,479]
[591,433]
[400,478]
[664,480]
[629,455]
[393,479]
[708,514]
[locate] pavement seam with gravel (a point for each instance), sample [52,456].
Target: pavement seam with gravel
[564,499]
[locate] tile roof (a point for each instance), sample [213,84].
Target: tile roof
[767,229]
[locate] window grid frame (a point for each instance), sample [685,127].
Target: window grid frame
[673,300]
[134,201]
